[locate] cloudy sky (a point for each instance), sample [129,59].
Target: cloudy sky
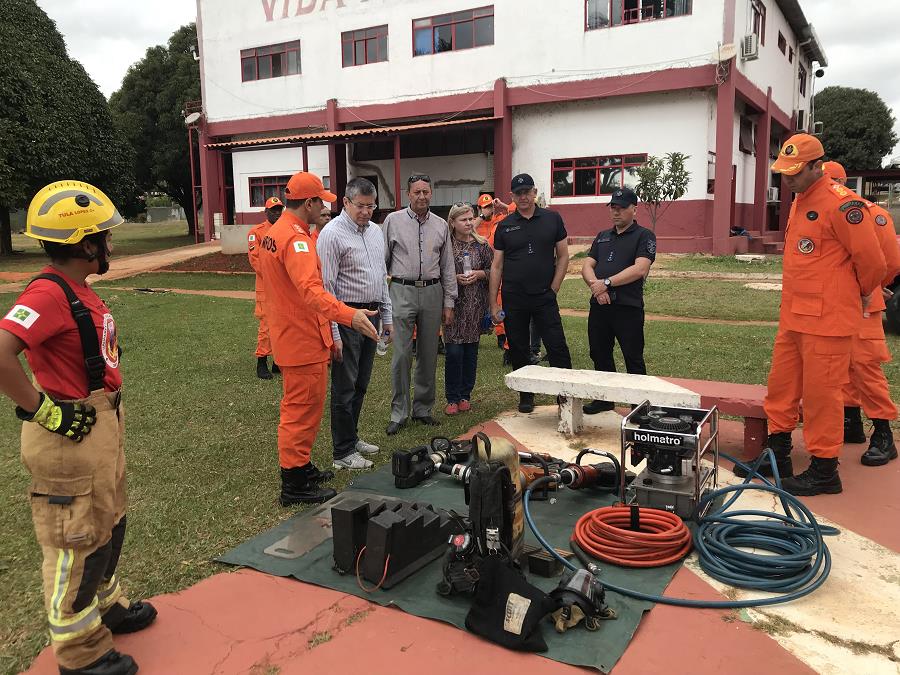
[109,35]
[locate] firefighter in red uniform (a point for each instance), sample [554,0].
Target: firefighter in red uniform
[274,207]
[73,436]
[298,310]
[832,261]
[868,386]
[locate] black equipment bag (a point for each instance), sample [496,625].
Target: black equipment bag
[488,494]
[507,610]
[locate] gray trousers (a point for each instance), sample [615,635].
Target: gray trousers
[419,308]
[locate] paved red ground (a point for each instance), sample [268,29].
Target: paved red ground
[248,622]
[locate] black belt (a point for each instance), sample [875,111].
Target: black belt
[371,306]
[418,283]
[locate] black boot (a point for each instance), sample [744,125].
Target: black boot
[297,487]
[595,407]
[853,426]
[275,369]
[317,476]
[781,445]
[820,478]
[136,617]
[526,402]
[501,341]
[111,663]
[881,446]
[262,368]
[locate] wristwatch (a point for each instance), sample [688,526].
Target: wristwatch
[607,282]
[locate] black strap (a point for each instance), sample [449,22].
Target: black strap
[94,363]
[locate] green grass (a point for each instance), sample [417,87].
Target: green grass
[128,239]
[701,298]
[201,440]
[725,263]
[200,281]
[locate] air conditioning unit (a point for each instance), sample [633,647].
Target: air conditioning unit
[801,120]
[772,194]
[750,47]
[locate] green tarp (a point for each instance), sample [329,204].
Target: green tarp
[416,595]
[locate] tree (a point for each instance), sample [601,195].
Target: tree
[858,128]
[148,107]
[662,180]
[54,122]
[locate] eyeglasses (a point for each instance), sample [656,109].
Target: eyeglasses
[364,207]
[418,176]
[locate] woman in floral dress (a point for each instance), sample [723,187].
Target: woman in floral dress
[464,333]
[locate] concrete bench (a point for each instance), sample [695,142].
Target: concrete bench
[578,386]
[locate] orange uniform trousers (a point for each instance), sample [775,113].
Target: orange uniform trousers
[302,406]
[814,369]
[868,387]
[263,344]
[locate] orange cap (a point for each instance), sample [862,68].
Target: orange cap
[797,151]
[835,170]
[272,202]
[485,200]
[303,185]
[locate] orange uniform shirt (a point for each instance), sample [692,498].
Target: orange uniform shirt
[872,328]
[298,308]
[254,239]
[831,258]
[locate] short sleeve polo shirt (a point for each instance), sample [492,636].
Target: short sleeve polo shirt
[529,250]
[615,252]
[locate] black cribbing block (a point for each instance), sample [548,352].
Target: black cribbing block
[349,521]
[379,540]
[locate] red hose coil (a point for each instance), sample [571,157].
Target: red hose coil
[606,534]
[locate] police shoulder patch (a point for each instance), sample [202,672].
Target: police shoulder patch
[880,220]
[854,216]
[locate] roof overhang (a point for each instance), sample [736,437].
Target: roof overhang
[803,29]
[344,135]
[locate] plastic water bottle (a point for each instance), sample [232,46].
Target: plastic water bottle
[382,347]
[467,264]
[502,316]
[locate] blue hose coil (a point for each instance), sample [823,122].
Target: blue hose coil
[796,560]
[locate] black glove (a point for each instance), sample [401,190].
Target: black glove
[72,420]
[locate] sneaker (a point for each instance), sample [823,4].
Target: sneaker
[464,406]
[451,409]
[534,358]
[364,448]
[821,478]
[354,461]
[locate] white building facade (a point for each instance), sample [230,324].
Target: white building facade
[576,93]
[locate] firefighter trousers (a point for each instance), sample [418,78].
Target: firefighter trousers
[814,369]
[302,406]
[868,387]
[263,344]
[78,504]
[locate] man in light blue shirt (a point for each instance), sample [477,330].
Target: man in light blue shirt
[351,252]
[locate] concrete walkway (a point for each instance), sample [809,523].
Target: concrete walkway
[247,622]
[131,265]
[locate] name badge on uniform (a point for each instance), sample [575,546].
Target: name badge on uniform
[513,228]
[605,239]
